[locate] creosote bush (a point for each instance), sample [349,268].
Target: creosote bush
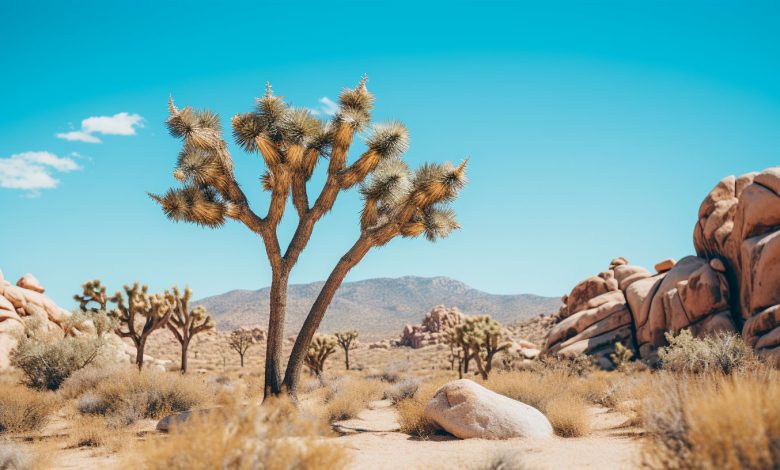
[722,352]
[47,359]
[274,436]
[24,410]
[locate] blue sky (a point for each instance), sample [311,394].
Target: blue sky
[594,129]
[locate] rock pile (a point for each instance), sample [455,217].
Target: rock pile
[430,331]
[732,285]
[25,299]
[739,231]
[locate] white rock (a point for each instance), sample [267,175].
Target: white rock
[466,410]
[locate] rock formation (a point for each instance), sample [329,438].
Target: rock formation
[733,284]
[467,410]
[430,331]
[739,230]
[26,300]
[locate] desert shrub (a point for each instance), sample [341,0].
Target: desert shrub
[555,393]
[568,415]
[411,416]
[402,390]
[622,356]
[14,457]
[713,422]
[128,395]
[90,431]
[88,378]
[274,436]
[722,352]
[348,396]
[47,359]
[24,410]
[393,372]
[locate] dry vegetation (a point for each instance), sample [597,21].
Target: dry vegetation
[711,408]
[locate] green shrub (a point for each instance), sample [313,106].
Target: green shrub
[722,352]
[46,358]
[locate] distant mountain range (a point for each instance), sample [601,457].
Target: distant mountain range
[376,307]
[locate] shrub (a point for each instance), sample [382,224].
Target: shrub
[713,422]
[557,394]
[47,360]
[14,457]
[568,415]
[348,396]
[722,352]
[88,378]
[402,390]
[90,431]
[128,395]
[411,416]
[274,436]
[24,410]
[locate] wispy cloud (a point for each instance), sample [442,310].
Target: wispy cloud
[32,171]
[118,124]
[327,107]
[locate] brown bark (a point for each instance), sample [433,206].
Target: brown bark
[318,309]
[184,347]
[273,357]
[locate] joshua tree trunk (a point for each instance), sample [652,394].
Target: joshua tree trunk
[242,359]
[314,318]
[346,358]
[184,347]
[139,352]
[273,355]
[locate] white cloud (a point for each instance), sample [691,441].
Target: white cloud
[118,124]
[33,170]
[79,136]
[327,107]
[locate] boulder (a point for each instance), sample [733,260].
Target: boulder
[664,265]
[738,228]
[29,282]
[467,410]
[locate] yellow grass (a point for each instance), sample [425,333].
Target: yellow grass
[23,409]
[274,436]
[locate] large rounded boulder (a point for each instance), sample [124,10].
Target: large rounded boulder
[467,410]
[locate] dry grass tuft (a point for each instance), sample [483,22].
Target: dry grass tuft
[556,393]
[349,395]
[713,421]
[723,352]
[23,409]
[126,395]
[90,431]
[411,410]
[274,436]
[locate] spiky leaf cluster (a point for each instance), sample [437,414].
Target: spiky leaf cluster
[186,322]
[345,339]
[93,296]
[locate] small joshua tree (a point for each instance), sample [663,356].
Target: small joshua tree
[240,341]
[450,337]
[141,315]
[185,322]
[345,340]
[290,141]
[93,297]
[321,347]
[480,338]
[621,356]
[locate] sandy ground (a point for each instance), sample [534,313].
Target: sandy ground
[374,443]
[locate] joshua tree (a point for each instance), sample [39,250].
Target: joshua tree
[450,336]
[480,338]
[320,348]
[185,323]
[93,293]
[291,141]
[142,314]
[240,340]
[345,339]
